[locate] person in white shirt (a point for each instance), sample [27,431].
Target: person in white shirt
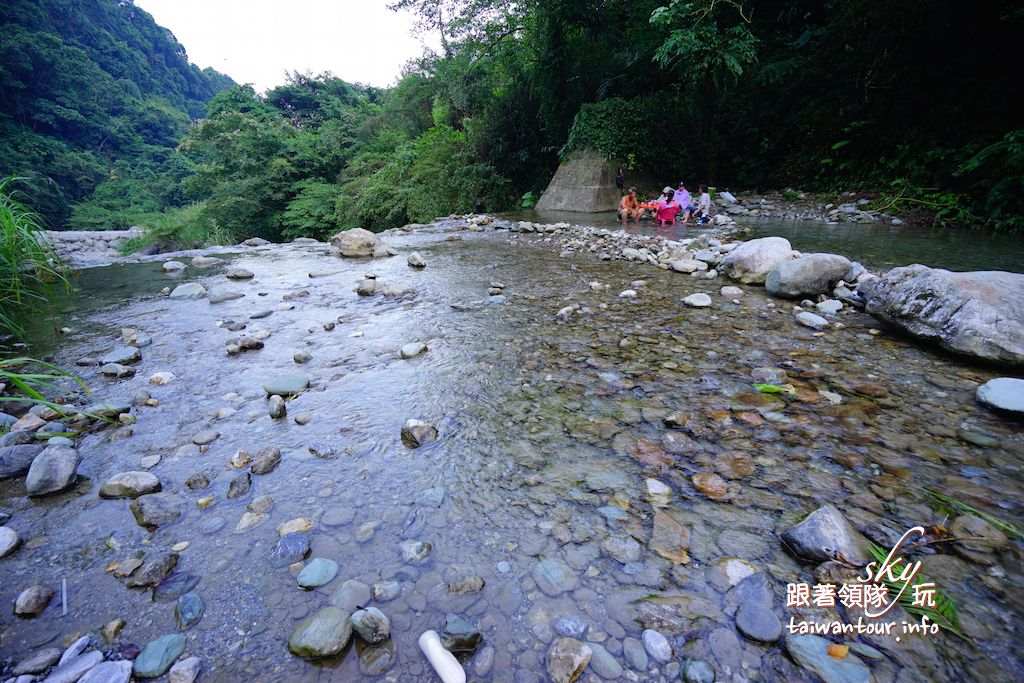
[702,211]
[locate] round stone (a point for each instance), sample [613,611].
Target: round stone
[286,385]
[758,623]
[699,300]
[319,571]
[1003,393]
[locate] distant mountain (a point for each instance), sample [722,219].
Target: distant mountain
[92,90]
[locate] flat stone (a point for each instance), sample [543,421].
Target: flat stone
[75,668]
[351,595]
[265,461]
[811,653]
[318,572]
[153,571]
[554,577]
[158,656]
[669,538]
[108,672]
[621,548]
[174,586]
[290,548]
[459,635]
[38,662]
[1003,393]
[603,663]
[323,634]
[218,295]
[812,320]
[130,485]
[758,623]
[250,520]
[156,509]
[635,654]
[116,370]
[189,291]
[122,355]
[286,385]
[238,274]
[205,437]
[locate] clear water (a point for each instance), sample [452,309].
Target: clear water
[539,423]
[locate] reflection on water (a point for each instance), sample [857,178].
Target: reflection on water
[878,246]
[547,433]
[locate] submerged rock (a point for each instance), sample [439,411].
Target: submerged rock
[459,635]
[554,577]
[566,659]
[372,625]
[416,433]
[156,509]
[323,634]
[158,656]
[33,600]
[286,385]
[129,485]
[979,314]
[823,534]
[319,571]
[811,653]
[416,261]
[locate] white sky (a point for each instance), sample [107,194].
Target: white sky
[256,41]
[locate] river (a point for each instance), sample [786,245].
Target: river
[538,483]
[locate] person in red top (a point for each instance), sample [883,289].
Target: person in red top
[629,207]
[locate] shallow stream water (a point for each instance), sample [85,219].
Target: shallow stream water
[547,431]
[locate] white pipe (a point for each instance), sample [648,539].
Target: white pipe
[443,661]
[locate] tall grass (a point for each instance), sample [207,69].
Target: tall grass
[27,262]
[33,380]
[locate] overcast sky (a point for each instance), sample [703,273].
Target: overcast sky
[256,41]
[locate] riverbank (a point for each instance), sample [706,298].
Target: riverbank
[606,486]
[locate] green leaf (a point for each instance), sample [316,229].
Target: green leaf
[841,144]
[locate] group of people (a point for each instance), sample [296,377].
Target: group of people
[667,206]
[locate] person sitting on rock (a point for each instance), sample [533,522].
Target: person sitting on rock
[629,207]
[702,212]
[682,196]
[668,208]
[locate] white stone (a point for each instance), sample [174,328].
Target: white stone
[1003,393]
[811,320]
[161,378]
[9,541]
[698,300]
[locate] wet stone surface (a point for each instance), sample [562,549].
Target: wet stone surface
[549,433]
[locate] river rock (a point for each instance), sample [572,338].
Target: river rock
[698,671]
[218,295]
[52,470]
[238,274]
[416,552]
[158,656]
[33,600]
[460,635]
[554,577]
[812,320]
[323,634]
[622,548]
[699,300]
[75,668]
[276,407]
[286,385]
[758,623]
[189,610]
[657,645]
[669,538]
[156,509]
[635,654]
[809,275]
[751,262]
[412,350]
[185,671]
[290,548]
[122,355]
[109,672]
[354,243]
[572,627]
[372,625]
[153,571]
[416,433]
[811,652]
[265,461]
[205,261]
[116,370]
[172,266]
[1003,393]
[984,537]
[603,663]
[416,261]
[822,534]
[351,595]
[39,662]
[829,306]
[16,460]
[711,485]
[130,485]
[205,437]
[366,287]
[29,422]
[189,290]
[566,659]
[9,541]
[318,572]
[979,314]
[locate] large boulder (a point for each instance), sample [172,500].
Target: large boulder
[809,275]
[585,181]
[751,262]
[978,314]
[354,243]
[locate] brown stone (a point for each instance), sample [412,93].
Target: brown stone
[711,485]
[734,464]
[651,454]
[669,538]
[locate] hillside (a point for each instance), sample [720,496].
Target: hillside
[94,90]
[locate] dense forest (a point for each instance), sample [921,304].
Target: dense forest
[907,99]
